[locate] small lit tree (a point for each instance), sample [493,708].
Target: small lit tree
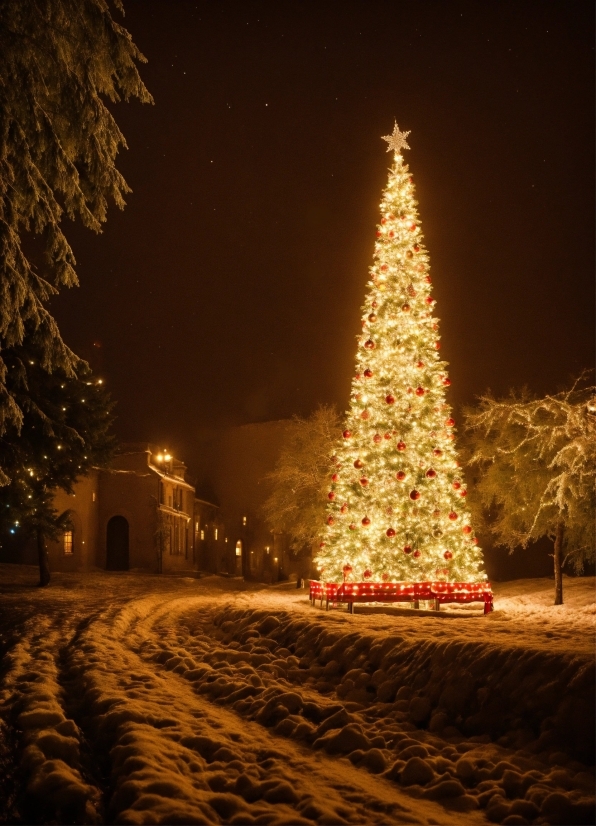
[296,505]
[396,507]
[64,432]
[535,461]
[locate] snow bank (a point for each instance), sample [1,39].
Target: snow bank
[191,704]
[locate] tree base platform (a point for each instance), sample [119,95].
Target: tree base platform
[438,592]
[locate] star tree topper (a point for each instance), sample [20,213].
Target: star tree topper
[397,141]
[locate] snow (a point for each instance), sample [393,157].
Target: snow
[132,698]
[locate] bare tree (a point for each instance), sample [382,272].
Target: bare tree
[301,477]
[535,462]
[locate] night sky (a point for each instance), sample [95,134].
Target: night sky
[229,289]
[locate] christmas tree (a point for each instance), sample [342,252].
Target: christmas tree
[397,507]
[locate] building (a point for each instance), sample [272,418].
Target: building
[139,514]
[239,468]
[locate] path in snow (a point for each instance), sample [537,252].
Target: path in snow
[134,699]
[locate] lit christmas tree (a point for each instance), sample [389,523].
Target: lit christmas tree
[397,508]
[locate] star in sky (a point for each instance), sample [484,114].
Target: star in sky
[396,141]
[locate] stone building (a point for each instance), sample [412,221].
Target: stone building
[140,514]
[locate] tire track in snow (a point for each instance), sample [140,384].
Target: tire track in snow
[178,758]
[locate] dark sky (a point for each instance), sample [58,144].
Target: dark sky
[229,289]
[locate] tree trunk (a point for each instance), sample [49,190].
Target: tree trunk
[559,564]
[44,560]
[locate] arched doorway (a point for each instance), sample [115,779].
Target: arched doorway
[117,544]
[238,559]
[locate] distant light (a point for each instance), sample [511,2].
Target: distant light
[167,457]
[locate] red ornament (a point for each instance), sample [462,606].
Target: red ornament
[456,485]
[409,254]
[436,513]
[384,267]
[463,492]
[406,308]
[453,516]
[368,373]
[347,569]
[383,220]
[413,227]
[364,481]
[467,529]
[407,549]
[416,248]
[420,391]
[428,279]
[385,577]
[353,527]
[331,495]
[330,520]
[366,521]
[401,445]
[400,475]
[448,555]
[437,345]
[411,290]
[391,216]
[449,422]
[390,532]
[358,463]
[447,381]
[377,438]
[379,233]
[367,574]
[390,399]
[372,317]
[391,233]
[374,305]
[369,344]
[346,434]
[335,477]
[344,508]
[437,452]
[321,544]
[420,365]
[414,495]
[387,436]
[365,415]
[416,554]
[431,473]
[475,540]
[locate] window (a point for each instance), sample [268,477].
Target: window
[67,543]
[216,533]
[202,534]
[244,520]
[239,548]
[93,496]
[196,527]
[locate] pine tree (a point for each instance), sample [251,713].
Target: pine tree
[396,503]
[65,431]
[60,62]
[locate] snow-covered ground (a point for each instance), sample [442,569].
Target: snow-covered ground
[136,699]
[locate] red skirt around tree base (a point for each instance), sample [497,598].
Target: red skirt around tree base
[439,592]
